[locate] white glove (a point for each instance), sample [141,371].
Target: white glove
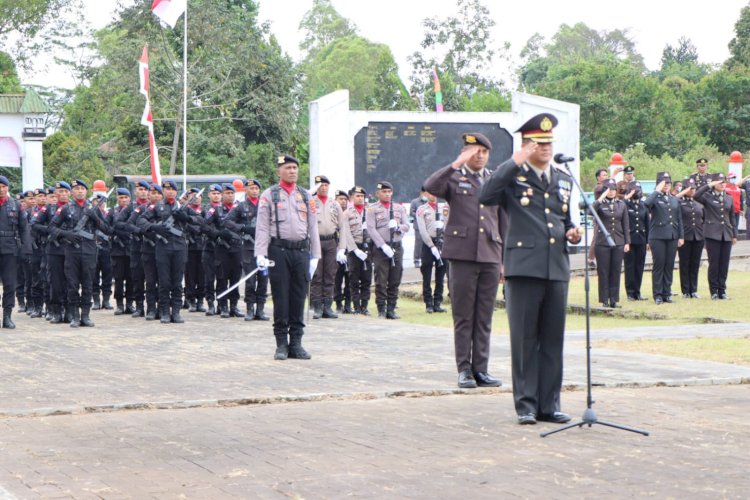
[392,224]
[341,256]
[360,254]
[262,262]
[388,251]
[439,224]
[313,266]
[435,252]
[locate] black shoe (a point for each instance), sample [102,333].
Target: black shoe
[176,318]
[119,310]
[640,297]
[165,318]
[97,305]
[7,322]
[340,306]
[632,298]
[224,311]
[658,300]
[723,296]
[694,296]
[668,299]
[235,312]
[714,296]
[557,418]
[429,309]
[614,305]
[106,305]
[437,308]
[484,379]
[391,313]
[528,419]
[138,313]
[605,305]
[687,296]
[192,306]
[129,308]
[466,380]
[200,307]
[317,310]
[75,319]
[210,309]
[298,352]
[36,313]
[327,311]
[260,315]
[86,321]
[151,316]
[282,353]
[381,312]
[250,312]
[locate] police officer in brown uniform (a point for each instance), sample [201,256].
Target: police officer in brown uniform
[387,222]
[474,246]
[287,234]
[614,215]
[628,176]
[719,231]
[690,252]
[331,227]
[429,221]
[536,197]
[341,290]
[701,177]
[360,251]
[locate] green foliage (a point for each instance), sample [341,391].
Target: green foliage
[739,46]
[682,62]
[9,82]
[27,17]
[322,25]
[68,157]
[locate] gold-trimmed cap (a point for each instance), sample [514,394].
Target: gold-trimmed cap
[539,128]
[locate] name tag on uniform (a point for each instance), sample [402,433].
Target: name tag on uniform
[464,185]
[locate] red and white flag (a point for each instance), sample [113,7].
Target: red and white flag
[169,10]
[147,119]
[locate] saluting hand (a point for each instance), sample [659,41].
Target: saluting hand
[527,149]
[466,153]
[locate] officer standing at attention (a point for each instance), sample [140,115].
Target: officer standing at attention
[209,250]
[13,234]
[418,243]
[341,289]
[474,245]
[69,224]
[701,176]
[614,215]
[123,283]
[719,231]
[228,253]
[57,198]
[360,251]
[38,264]
[243,219]
[287,234]
[536,197]
[331,229]
[387,222]
[103,268]
[635,259]
[431,230]
[171,249]
[148,254]
[690,252]
[126,221]
[665,236]
[194,280]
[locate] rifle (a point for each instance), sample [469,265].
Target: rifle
[169,223]
[79,230]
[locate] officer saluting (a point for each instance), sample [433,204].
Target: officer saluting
[690,252]
[287,234]
[719,231]
[536,197]
[13,235]
[614,215]
[665,235]
[635,259]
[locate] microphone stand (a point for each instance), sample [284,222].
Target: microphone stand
[589,415]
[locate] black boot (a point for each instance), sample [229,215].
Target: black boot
[210,309]
[428,306]
[138,313]
[199,307]
[164,316]
[391,312]
[151,314]
[7,322]
[56,314]
[363,308]
[250,315]
[185,304]
[381,310]
[317,309]
[85,320]
[259,314]
[436,306]
[348,307]
[75,317]
[282,347]
[68,313]
[296,351]
[176,318]
[234,311]
[105,303]
[327,311]
[223,309]
[340,306]
[119,310]
[192,305]
[37,312]
[97,303]
[129,307]
[21,305]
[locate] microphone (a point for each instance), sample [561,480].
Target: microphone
[561,158]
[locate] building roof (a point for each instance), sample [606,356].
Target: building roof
[30,102]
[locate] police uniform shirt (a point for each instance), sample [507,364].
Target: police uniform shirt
[718,214]
[666,217]
[355,226]
[67,217]
[638,222]
[701,179]
[13,228]
[426,218]
[692,219]
[330,219]
[378,218]
[614,215]
[297,220]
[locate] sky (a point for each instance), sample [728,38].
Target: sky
[652,24]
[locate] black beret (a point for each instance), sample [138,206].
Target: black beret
[155,187]
[50,190]
[227,186]
[169,183]
[321,179]
[474,138]
[385,185]
[28,193]
[195,190]
[39,191]
[143,184]
[358,190]
[253,182]
[78,182]
[663,176]
[284,159]
[341,193]
[62,185]
[214,187]
[123,192]
[4,180]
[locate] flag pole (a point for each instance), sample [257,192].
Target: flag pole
[184,101]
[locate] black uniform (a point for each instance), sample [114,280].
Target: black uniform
[55,257]
[228,257]
[242,220]
[102,281]
[38,262]
[211,234]
[635,259]
[690,251]
[13,235]
[126,221]
[194,279]
[700,179]
[120,242]
[720,233]
[664,231]
[170,254]
[614,215]
[23,286]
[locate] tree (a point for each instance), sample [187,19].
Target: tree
[68,157]
[322,25]
[461,48]
[739,46]
[9,82]
[682,62]
[29,16]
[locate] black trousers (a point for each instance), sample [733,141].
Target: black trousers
[428,263]
[9,272]
[228,272]
[103,270]
[79,275]
[170,266]
[663,254]
[137,276]
[23,262]
[690,263]
[635,261]
[719,253]
[256,287]
[536,314]
[473,294]
[121,274]
[289,279]
[341,288]
[38,276]
[56,278]
[360,278]
[152,280]
[387,276]
[194,281]
[209,274]
[323,280]
[608,269]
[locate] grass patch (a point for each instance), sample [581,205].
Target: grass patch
[735,351]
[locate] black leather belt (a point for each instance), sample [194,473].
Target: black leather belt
[328,238]
[291,245]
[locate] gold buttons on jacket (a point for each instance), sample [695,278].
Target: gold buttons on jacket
[552,241]
[481,229]
[546,195]
[549,224]
[481,217]
[455,232]
[519,244]
[546,210]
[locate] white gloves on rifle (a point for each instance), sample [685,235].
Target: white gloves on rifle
[360,254]
[262,262]
[313,266]
[439,224]
[436,253]
[392,224]
[388,251]
[341,256]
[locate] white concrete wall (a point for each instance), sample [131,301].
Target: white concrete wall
[32,162]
